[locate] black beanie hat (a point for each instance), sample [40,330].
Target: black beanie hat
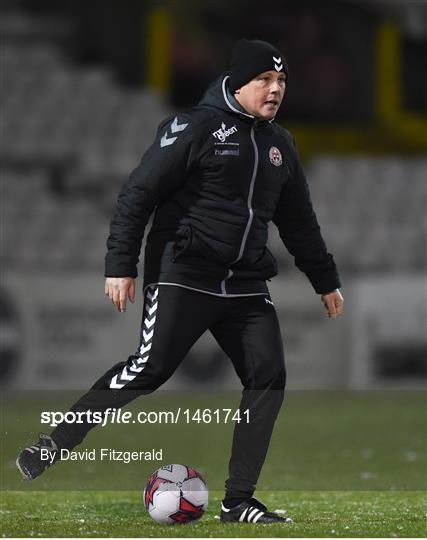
[250,58]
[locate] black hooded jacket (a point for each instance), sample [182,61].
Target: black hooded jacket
[216,177]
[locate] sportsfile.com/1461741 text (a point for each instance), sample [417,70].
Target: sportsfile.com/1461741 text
[117,416]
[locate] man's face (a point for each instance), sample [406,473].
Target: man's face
[262,96]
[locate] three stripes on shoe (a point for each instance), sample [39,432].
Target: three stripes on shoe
[129,372]
[32,449]
[249,514]
[45,441]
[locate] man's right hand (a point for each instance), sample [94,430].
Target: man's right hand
[119,289]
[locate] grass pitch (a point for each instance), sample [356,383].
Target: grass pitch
[340,464]
[121,514]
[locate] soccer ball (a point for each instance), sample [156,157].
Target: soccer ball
[176,494]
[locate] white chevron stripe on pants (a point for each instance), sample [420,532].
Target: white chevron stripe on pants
[138,364]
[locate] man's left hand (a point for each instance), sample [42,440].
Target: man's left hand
[333,302]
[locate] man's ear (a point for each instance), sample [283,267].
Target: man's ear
[237,92]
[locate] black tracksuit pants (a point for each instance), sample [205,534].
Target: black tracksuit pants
[246,328]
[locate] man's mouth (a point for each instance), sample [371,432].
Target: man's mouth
[272,102]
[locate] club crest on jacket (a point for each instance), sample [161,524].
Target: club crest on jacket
[275,156]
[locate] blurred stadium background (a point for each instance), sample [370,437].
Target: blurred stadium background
[85,85]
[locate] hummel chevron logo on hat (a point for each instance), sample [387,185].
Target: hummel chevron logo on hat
[278,63]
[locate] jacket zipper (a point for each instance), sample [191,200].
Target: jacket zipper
[251,212]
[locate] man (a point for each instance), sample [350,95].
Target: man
[216,176]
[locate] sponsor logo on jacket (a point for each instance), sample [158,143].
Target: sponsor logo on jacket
[227,152]
[222,133]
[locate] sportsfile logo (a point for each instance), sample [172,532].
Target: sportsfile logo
[117,416]
[223,132]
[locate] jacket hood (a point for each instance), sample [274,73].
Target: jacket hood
[218,96]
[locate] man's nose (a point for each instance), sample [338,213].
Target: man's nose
[275,87]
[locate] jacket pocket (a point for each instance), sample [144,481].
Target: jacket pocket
[272,261]
[182,246]
[266,267]
[262,267]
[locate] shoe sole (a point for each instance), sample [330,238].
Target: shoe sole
[24,475]
[285,520]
